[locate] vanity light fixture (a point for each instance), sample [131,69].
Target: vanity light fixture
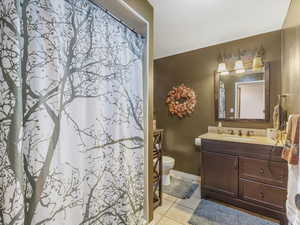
[239,65]
[222,69]
[258,63]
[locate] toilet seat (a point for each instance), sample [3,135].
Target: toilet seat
[168,164]
[168,160]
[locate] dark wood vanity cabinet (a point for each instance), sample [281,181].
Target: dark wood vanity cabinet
[250,176]
[221,172]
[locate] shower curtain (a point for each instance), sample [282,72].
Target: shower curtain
[71,115]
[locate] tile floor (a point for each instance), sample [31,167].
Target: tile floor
[176,211]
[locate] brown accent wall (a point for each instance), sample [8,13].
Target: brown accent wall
[196,70]
[144,8]
[291,57]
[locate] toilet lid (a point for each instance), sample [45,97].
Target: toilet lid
[167,159]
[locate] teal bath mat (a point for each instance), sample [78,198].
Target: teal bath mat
[211,213]
[180,188]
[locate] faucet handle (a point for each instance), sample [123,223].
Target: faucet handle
[250,132]
[240,132]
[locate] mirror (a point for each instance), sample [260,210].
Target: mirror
[242,96]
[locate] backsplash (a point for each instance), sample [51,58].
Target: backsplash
[228,130]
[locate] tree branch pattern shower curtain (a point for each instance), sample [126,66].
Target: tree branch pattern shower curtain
[71,113]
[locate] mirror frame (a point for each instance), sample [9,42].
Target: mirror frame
[267,98]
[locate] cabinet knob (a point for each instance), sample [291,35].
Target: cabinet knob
[262,195]
[261,171]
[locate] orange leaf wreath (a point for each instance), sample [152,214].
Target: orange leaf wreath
[181,101]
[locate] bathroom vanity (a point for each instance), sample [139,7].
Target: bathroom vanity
[246,172]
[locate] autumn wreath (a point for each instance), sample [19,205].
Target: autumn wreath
[181,101]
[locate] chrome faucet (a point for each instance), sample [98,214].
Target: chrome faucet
[240,133]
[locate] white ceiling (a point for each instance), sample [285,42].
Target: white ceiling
[184,25]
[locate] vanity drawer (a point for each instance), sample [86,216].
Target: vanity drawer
[263,194]
[269,172]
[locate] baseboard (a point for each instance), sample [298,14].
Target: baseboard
[185,176]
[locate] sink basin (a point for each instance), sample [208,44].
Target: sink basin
[238,138]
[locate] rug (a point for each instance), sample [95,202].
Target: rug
[180,188]
[211,213]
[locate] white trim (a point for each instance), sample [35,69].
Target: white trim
[124,12]
[135,13]
[249,82]
[146,128]
[237,84]
[185,176]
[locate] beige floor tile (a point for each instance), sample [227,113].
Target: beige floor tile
[166,205]
[156,218]
[180,213]
[191,203]
[169,197]
[167,221]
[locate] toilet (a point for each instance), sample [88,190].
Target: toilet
[168,164]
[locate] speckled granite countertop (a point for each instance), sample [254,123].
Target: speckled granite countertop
[260,140]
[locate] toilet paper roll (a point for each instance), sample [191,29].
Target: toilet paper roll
[198,141]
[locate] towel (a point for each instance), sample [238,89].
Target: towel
[293,214]
[290,152]
[279,117]
[276,119]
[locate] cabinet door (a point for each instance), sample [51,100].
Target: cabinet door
[220,173]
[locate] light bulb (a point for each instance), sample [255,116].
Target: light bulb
[222,68]
[257,63]
[239,66]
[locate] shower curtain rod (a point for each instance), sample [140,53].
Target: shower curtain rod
[97,4]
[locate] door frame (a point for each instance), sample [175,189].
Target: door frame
[237,96]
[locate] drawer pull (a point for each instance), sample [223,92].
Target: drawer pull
[261,171]
[262,195]
[236,164]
